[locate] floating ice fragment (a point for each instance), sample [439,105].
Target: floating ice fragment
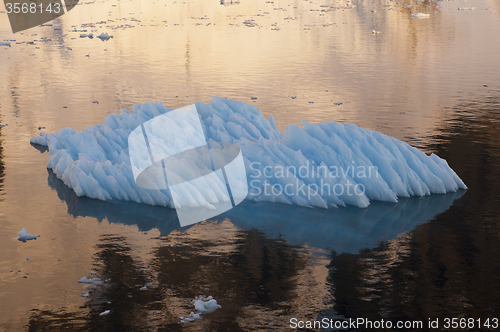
[28,258]
[95,102]
[85,294]
[105,313]
[104,36]
[192,317]
[84,35]
[85,280]
[229,2]
[466,8]
[24,236]
[250,23]
[420,15]
[204,304]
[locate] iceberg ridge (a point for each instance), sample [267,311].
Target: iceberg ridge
[323,165]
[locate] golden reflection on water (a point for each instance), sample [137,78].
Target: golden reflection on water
[397,81]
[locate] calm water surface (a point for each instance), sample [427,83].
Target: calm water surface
[434,83]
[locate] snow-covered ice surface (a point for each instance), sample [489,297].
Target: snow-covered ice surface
[95,162]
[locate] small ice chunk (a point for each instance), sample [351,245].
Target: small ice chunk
[85,294]
[5,44]
[93,272]
[293,97]
[24,236]
[104,36]
[192,317]
[95,102]
[85,280]
[145,287]
[375,32]
[420,15]
[28,258]
[205,304]
[253,98]
[104,313]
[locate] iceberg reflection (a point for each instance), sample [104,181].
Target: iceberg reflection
[348,229]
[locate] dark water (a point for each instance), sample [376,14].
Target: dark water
[433,83]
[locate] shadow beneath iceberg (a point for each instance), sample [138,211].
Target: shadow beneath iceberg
[348,229]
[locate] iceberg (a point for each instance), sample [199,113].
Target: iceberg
[322,165]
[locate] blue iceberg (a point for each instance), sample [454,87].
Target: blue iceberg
[321,165]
